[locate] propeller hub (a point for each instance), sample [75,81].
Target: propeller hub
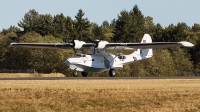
[96,42]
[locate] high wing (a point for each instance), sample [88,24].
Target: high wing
[106,46]
[75,44]
[148,45]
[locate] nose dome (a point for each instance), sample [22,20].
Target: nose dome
[67,62]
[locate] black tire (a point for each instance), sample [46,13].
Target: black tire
[112,72]
[84,74]
[75,73]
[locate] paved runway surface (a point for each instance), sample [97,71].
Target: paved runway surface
[96,78]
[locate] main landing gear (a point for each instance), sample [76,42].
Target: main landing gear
[112,72]
[84,74]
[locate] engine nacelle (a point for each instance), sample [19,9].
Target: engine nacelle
[101,44]
[78,44]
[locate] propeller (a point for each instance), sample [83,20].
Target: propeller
[72,45]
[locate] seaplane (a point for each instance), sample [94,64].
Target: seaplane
[98,60]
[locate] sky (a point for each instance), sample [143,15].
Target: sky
[164,12]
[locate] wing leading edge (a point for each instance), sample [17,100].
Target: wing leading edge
[107,46]
[43,45]
[149,45]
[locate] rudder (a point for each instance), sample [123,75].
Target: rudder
[146,53]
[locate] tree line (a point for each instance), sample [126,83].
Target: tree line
[130,26]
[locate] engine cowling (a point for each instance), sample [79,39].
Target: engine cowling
[101,44]
[77,44]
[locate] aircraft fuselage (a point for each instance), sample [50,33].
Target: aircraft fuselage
[98,62]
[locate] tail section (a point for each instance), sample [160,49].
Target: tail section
[145,53]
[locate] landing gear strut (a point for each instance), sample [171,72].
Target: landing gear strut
[84,74]
[75,73]
[112,72]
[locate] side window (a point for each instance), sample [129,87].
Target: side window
[92,59]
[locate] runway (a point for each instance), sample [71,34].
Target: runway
[97,78]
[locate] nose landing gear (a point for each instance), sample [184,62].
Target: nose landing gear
[84,74]
[75,73]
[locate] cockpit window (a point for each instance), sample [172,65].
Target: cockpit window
[122,57]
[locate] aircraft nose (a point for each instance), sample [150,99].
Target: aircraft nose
[67,62]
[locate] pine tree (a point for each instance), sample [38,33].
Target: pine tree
[122,27]
[137,29]
[59,24]
[98,33]
[149,26]
[196,27]
[157,35]
[81,25]
[30,21]
[45,25]
[129,26]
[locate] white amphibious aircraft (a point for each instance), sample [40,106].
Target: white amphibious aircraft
[98,60]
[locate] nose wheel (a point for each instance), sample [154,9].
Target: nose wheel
[75,73]
[112,72]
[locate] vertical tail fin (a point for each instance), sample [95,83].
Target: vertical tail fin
[145,53]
